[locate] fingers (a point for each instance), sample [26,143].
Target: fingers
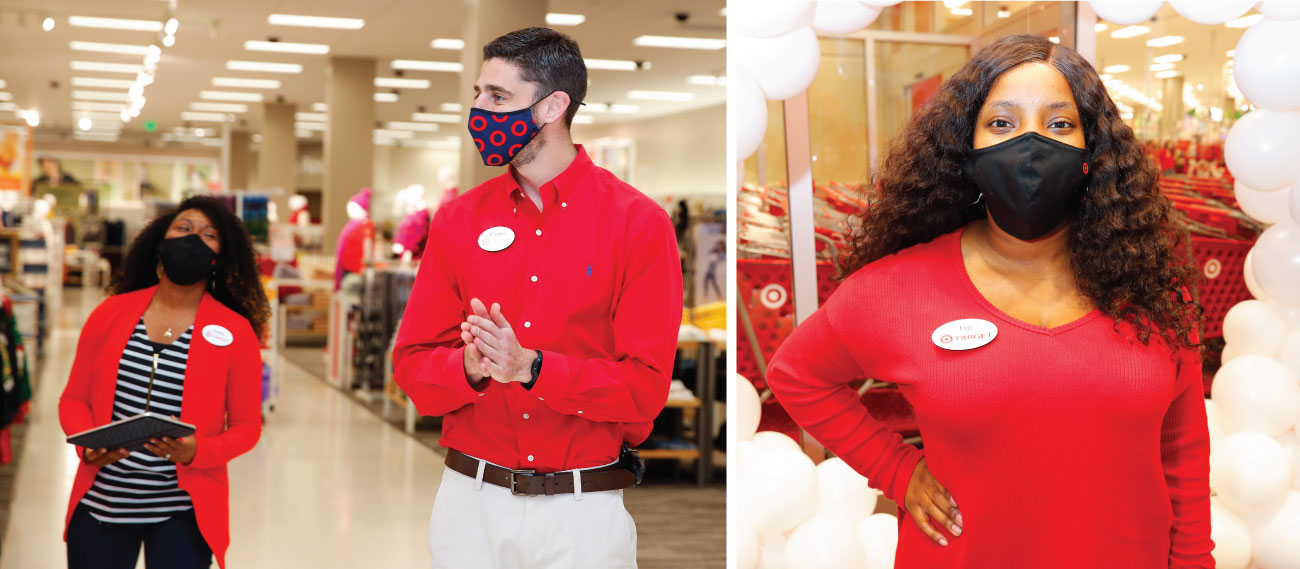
[487,348]
[941,513]
[923,521]
[498,318]
[478,307]
[479,326]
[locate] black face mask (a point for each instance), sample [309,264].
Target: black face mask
[1030,182]
[186,260]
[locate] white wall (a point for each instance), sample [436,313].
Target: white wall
[679,155]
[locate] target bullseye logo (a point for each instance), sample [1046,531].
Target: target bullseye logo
[773,296]
[1212,269]
[946,339]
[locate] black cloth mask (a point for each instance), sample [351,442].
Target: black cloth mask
[186,260]
[1030,182]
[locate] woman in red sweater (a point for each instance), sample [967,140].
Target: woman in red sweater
[1021,279]
[176,338]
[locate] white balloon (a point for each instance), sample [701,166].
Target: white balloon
[1231,538]
[1263,149]
[747,550]
[1228,355]
[1295,195]
[771,551]
[825,542]
[1249,273]
[1211,13]
[768,18]
[1277,263]
[844,492]
[1280,9]
[1291,442]
[773,440]
[879,536]
[1126,12]
[1256,393]
[1267,207]
[881,3]
[782,488]
[1217,432]
[783,66]
[843,17]
[1251,473]
[1267,64]
[1277,541]
[1290,353]
[1289,312]
[1252,327]
[751,113]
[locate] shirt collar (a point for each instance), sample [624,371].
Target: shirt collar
[565,183]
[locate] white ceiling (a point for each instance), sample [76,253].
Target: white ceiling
[214,31]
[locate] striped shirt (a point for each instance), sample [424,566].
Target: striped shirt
[141,488]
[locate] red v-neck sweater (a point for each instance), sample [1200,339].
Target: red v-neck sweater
[1068,447]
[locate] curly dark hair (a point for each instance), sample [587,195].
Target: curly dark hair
[235,284]
[1128,252]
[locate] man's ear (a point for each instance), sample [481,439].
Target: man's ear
[555,106]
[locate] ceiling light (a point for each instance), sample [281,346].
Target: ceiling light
[583,119]
[320,107]
[170,28]
[401,83]
[230,96]
[1165,41]
[435,117]
[315,22]
[287,47]
[101,96]
[115,24]
[84,123]
[99,117]
[169,40]
[1100,27]
[246,83]
[565,19]
[1162,67]
[611,64]
[954,3]
[1166,74]
[1116,68]
[1129,32]
[264,66]
[87,137]
[385,97]
[1171,58]
[219,107]
[1200,86]
[310,117]
[447,43]
[451,107]
[1244,21]
[1003,13]
[416,65]
[303,133]
[603,108]
[388,133]
[420,126]
[100,82]
[125,115]
[1054,39]
[118,48]
[8,107]
[1105,77]
[47,24]
[680,42]
[203,117]
[106,67]
[962,11]
[32,117]
[1231,53]
[673,96]
[707,80]
[6,96]
[97,106]
[310,126]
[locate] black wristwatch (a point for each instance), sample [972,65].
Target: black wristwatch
[537,370]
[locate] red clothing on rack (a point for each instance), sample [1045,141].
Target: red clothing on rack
[1068,447]
[593,280]
[223,400]
[352,247]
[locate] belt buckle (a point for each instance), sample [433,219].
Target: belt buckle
[514,481]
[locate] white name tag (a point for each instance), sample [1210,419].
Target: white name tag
[965,334]
[496,238]
[217,335]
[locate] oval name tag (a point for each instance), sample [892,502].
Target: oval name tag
[496,238]
[965,334]
[217,335]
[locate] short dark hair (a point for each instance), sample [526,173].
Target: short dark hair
[546,58]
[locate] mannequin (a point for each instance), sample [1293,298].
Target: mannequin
[414,230]
[447,177]
[356,234]
[299,215]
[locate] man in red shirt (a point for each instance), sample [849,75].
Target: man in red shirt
[542,327]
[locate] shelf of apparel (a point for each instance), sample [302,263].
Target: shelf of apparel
[15,384]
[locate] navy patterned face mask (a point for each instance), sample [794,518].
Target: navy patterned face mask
[500,136]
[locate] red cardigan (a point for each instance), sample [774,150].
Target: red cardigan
[222,400]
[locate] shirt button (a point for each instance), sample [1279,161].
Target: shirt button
[528,324]
[534,278]
[539,232]
[580,411]
[564,204]
[530,458]
[525,415]
[540,399]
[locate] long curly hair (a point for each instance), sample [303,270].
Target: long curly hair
[1128,252]
[235,283]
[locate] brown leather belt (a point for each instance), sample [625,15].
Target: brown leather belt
[532,483]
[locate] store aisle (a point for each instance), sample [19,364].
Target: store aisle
[328,485]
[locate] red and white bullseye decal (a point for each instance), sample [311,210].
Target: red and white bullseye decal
[1212,269]
[964,334]
[773,296]
[1085,167]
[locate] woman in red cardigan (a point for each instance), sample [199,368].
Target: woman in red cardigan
[177,337]
[1022,280]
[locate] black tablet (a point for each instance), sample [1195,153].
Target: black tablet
[132,433]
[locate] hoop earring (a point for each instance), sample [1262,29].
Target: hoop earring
[978,198]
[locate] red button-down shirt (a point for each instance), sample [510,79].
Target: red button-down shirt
[593,280]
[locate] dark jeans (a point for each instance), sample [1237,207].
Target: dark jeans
[173,544]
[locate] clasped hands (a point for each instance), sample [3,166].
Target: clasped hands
[491,348]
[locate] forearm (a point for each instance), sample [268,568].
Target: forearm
[243,413]
[434,378]
[622,391]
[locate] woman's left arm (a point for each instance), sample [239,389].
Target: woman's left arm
[1185,454]
[243,407]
